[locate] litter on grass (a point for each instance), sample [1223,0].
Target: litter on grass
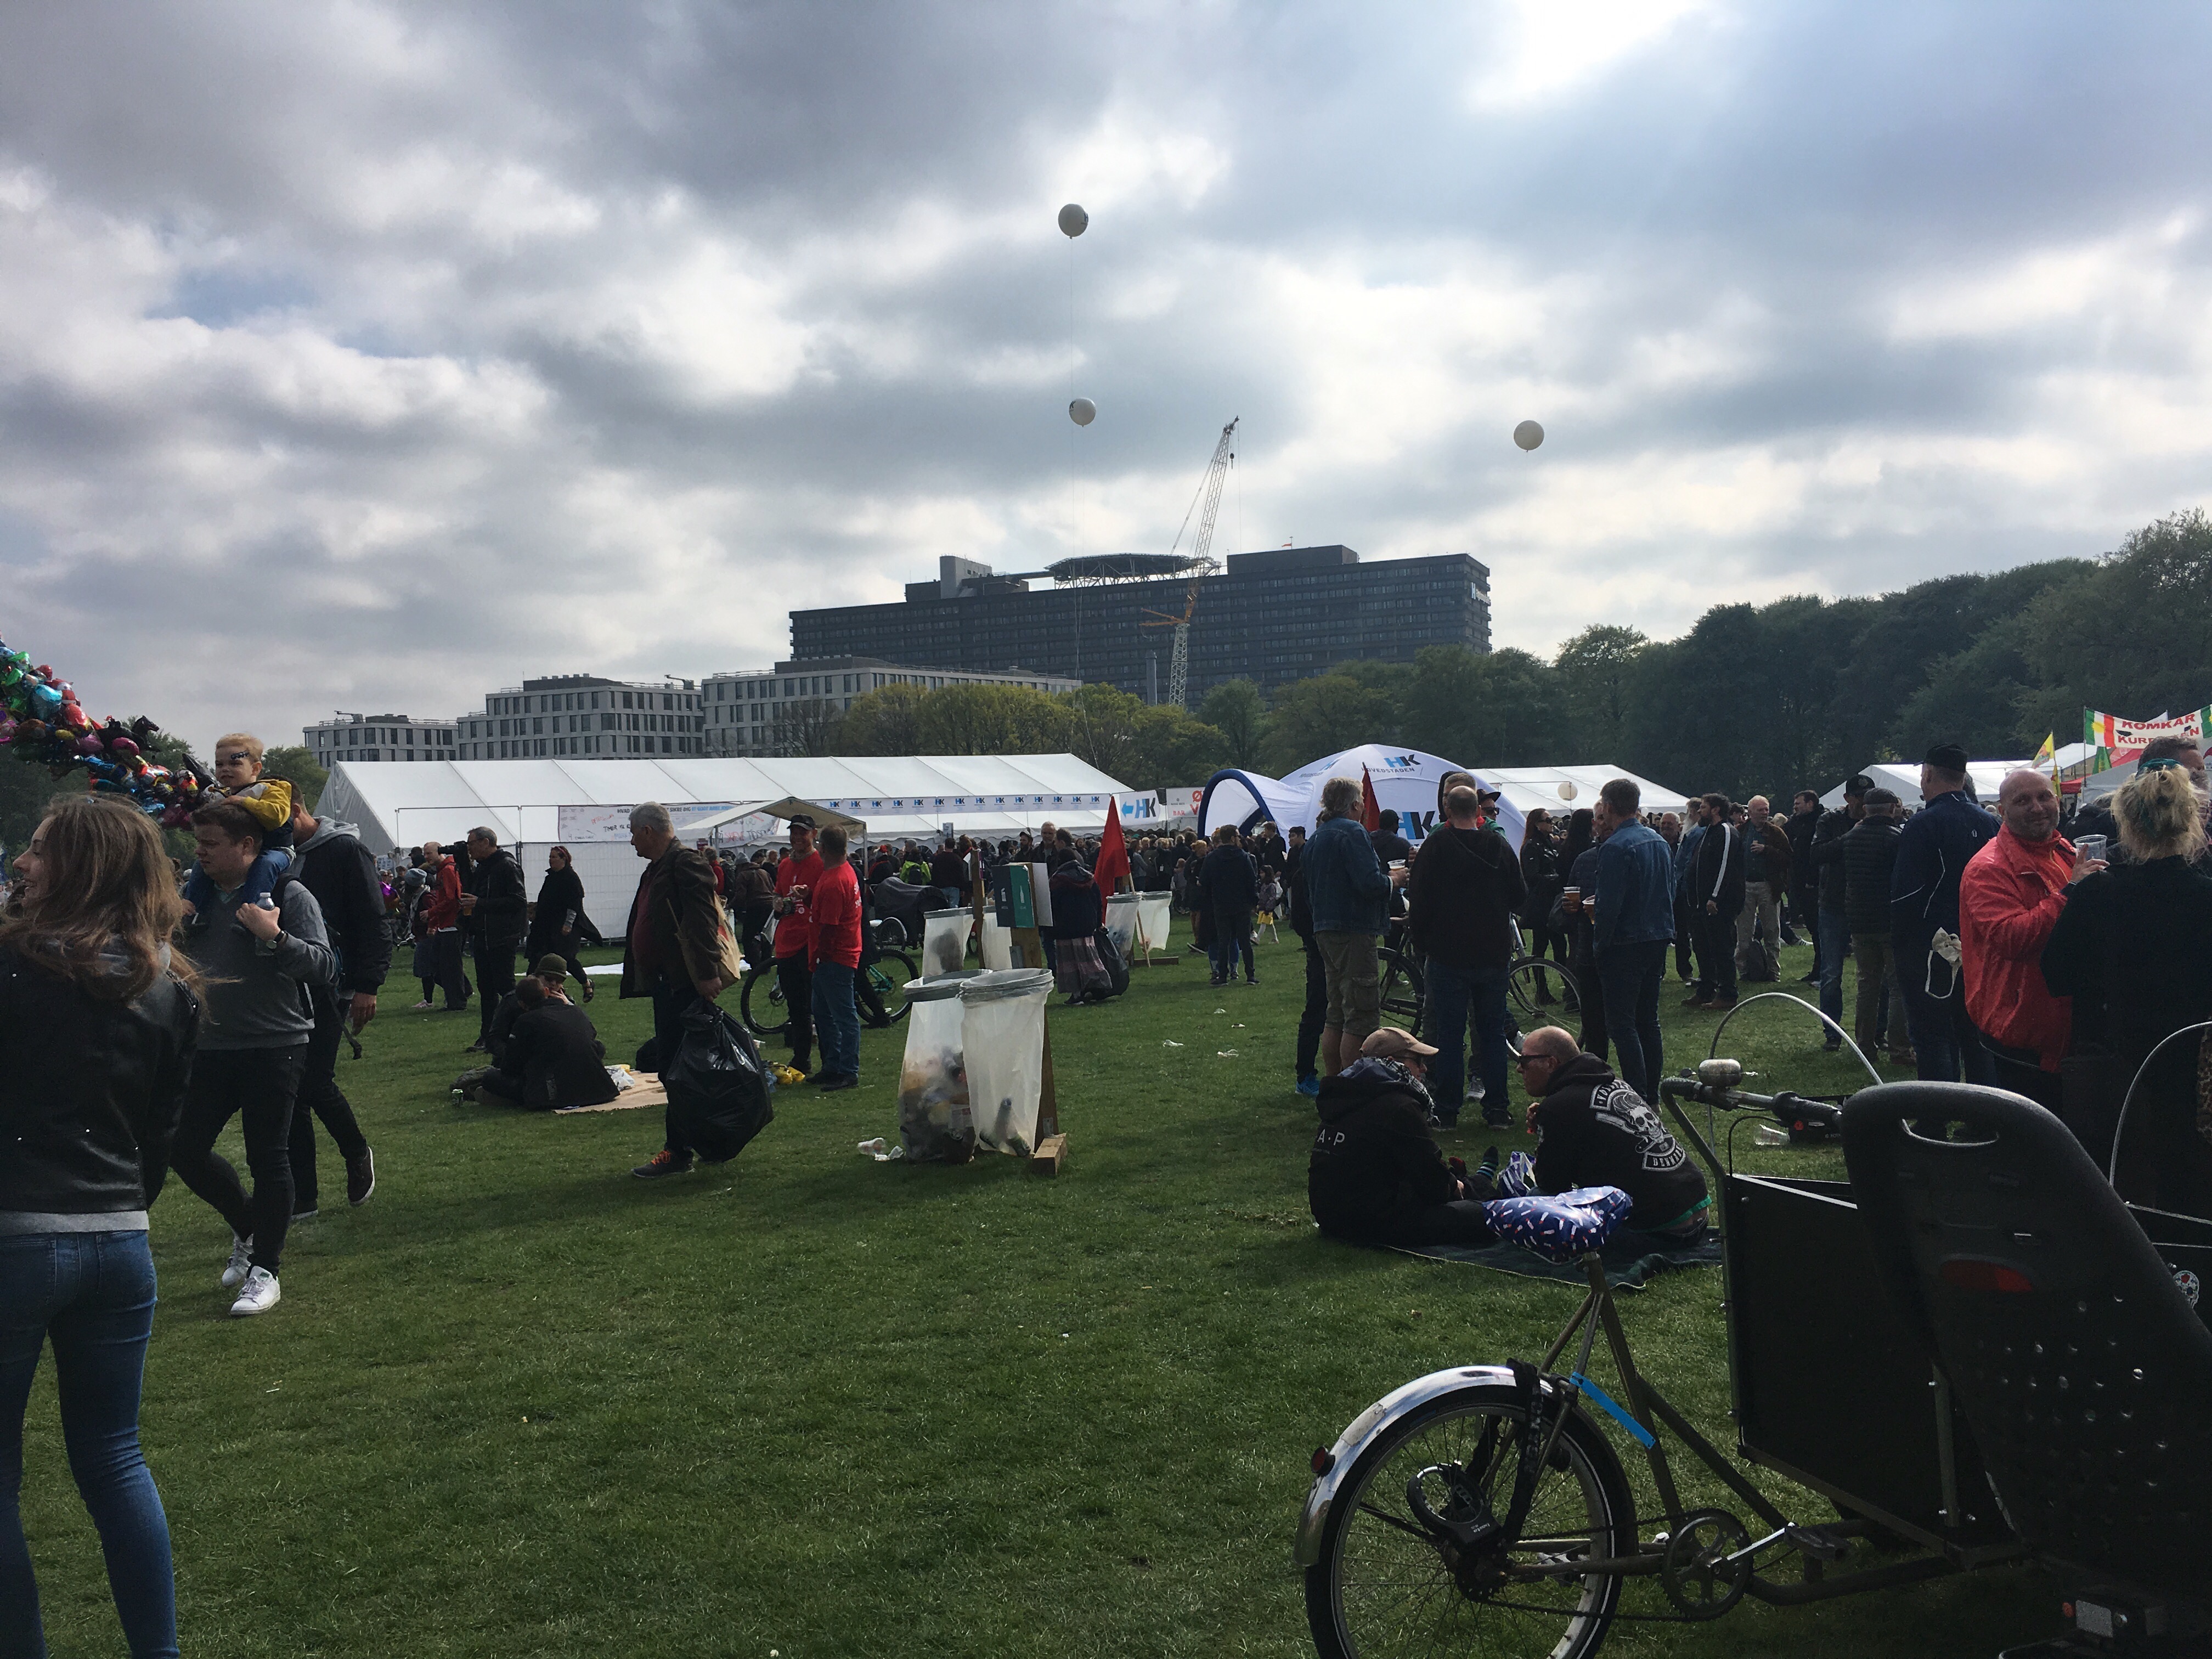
[1170,1044]
[1224,1054]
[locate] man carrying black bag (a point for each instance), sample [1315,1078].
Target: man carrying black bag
[678,950]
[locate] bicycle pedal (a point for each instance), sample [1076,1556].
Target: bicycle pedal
[1815,1541]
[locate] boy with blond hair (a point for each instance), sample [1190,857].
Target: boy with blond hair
[238,758]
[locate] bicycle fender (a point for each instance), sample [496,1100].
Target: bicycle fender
[1362,1430]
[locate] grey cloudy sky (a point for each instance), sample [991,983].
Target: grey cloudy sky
[370,356]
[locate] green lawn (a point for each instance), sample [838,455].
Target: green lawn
[521,1403]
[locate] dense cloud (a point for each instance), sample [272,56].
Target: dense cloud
[372,356]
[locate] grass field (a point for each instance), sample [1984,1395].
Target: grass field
[520,1403]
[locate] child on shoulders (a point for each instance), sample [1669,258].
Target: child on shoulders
[238,758]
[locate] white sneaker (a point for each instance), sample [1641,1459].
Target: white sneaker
[242,1254]
[258,1295]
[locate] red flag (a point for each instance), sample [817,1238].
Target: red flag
[1370,811]
[1113,852]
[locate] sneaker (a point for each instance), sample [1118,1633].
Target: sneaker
[663,1163]
[234,1271]
[361,1176]
[1310,1085]
[258,1294]
[1833,1046]
[477,1048]
[842,1080]
[1251,979]
[423,1007]
[305,1215]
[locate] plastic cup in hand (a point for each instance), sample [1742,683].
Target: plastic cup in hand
[2091,846]
[1570,899]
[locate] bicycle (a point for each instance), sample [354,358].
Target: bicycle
[1529,999]
[880,989]
[1484,1508]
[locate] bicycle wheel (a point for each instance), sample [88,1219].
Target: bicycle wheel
[1384,1585]
[1402,991]
[760,1005]
[1532,998]
[881,989]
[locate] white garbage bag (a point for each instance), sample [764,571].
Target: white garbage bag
[1002,1043]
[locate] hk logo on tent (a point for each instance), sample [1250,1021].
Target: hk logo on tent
[1400,763]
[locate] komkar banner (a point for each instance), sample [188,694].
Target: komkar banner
[2120,741]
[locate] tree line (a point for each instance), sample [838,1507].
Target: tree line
[1798,692]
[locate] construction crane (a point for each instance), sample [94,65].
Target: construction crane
[1209,492]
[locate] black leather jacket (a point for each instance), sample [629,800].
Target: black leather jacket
[90,1092]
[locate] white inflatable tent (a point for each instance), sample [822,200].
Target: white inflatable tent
[584,805]
[1406,780]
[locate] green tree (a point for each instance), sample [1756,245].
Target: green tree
[1320,716]
[886,721]
[991,720]
[1170,746]
[1596,671]
[1236,710]
[1492,709]
[298,767]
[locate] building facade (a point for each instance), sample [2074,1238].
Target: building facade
[1270,617]
[767,712]
[585,715]
[379,738]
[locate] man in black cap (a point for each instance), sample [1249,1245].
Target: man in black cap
[1831,933]
[1931,855]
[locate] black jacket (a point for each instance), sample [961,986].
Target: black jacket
[333,865]
[560,905]
[1821,865]
[1716,870]
[1461,894]
[2130,949]
[503,1026]
[1229,881]
[559,1058]
[1294,883]
[503,902]
[1540,877]
[1800,830]
[1595,1131]
[90,1092]
[1867,857]
[1374,1162]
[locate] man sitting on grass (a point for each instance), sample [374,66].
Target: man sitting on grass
[1592,1130]
[1376,1175]
[554,1061]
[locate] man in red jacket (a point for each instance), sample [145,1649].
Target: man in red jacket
[2010,898]
[794,938]
[441,925]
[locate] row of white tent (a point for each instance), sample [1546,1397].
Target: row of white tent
[1406,781]
[584,805]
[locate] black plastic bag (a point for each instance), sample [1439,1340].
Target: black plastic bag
[1117,970]
[718,1086]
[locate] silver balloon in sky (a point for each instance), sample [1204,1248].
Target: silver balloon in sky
[1073,220]
[1528,434]
[1082,411]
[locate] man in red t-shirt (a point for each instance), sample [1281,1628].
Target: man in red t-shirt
[794,937]
[834,953]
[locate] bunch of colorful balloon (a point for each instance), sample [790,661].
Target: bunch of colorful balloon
[42,722]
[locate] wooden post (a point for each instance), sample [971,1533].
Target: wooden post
[1052,1144]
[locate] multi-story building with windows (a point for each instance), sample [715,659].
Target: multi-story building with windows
[1270,617]
[764,712]
[379,738]
[585,715]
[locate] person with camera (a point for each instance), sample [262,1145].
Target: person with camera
[495,909]
[264,968]
[678,950]
[100,1025]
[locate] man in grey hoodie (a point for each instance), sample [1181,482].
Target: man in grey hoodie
[262,968]
[330,861]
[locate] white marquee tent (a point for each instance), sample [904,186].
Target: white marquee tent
[1406,781]
[584,805]
[1904,779]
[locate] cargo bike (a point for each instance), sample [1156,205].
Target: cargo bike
[1920,1354]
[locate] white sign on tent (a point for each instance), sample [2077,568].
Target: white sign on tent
[598,823]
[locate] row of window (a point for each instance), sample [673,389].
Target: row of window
[546,703]
[326,737]
[594,744]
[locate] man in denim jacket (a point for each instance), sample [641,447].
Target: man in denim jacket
[1346,889]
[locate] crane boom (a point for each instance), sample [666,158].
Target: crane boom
[1209,492]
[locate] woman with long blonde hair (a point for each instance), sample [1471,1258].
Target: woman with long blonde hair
[98,1025]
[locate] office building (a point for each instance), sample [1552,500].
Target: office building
[378,738]
[766,712]
[1270,617]
[586,715]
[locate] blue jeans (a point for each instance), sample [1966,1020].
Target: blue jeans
[837,1019]
[260,880]
[1834,935]
[1454,995]
[93,1295]
[1944,1040]
[1631,973]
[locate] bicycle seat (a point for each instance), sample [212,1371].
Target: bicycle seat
[2083,1368]
[1562,1227]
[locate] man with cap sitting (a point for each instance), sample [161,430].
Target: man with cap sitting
[1376,1175]
[1932,855]
[1592,1130]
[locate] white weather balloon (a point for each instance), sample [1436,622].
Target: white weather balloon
[1568,792]
[1082,411]
[1528,434]
[1073,220]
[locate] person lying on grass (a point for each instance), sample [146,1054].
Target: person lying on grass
[1377,1175]
[1592,1130]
